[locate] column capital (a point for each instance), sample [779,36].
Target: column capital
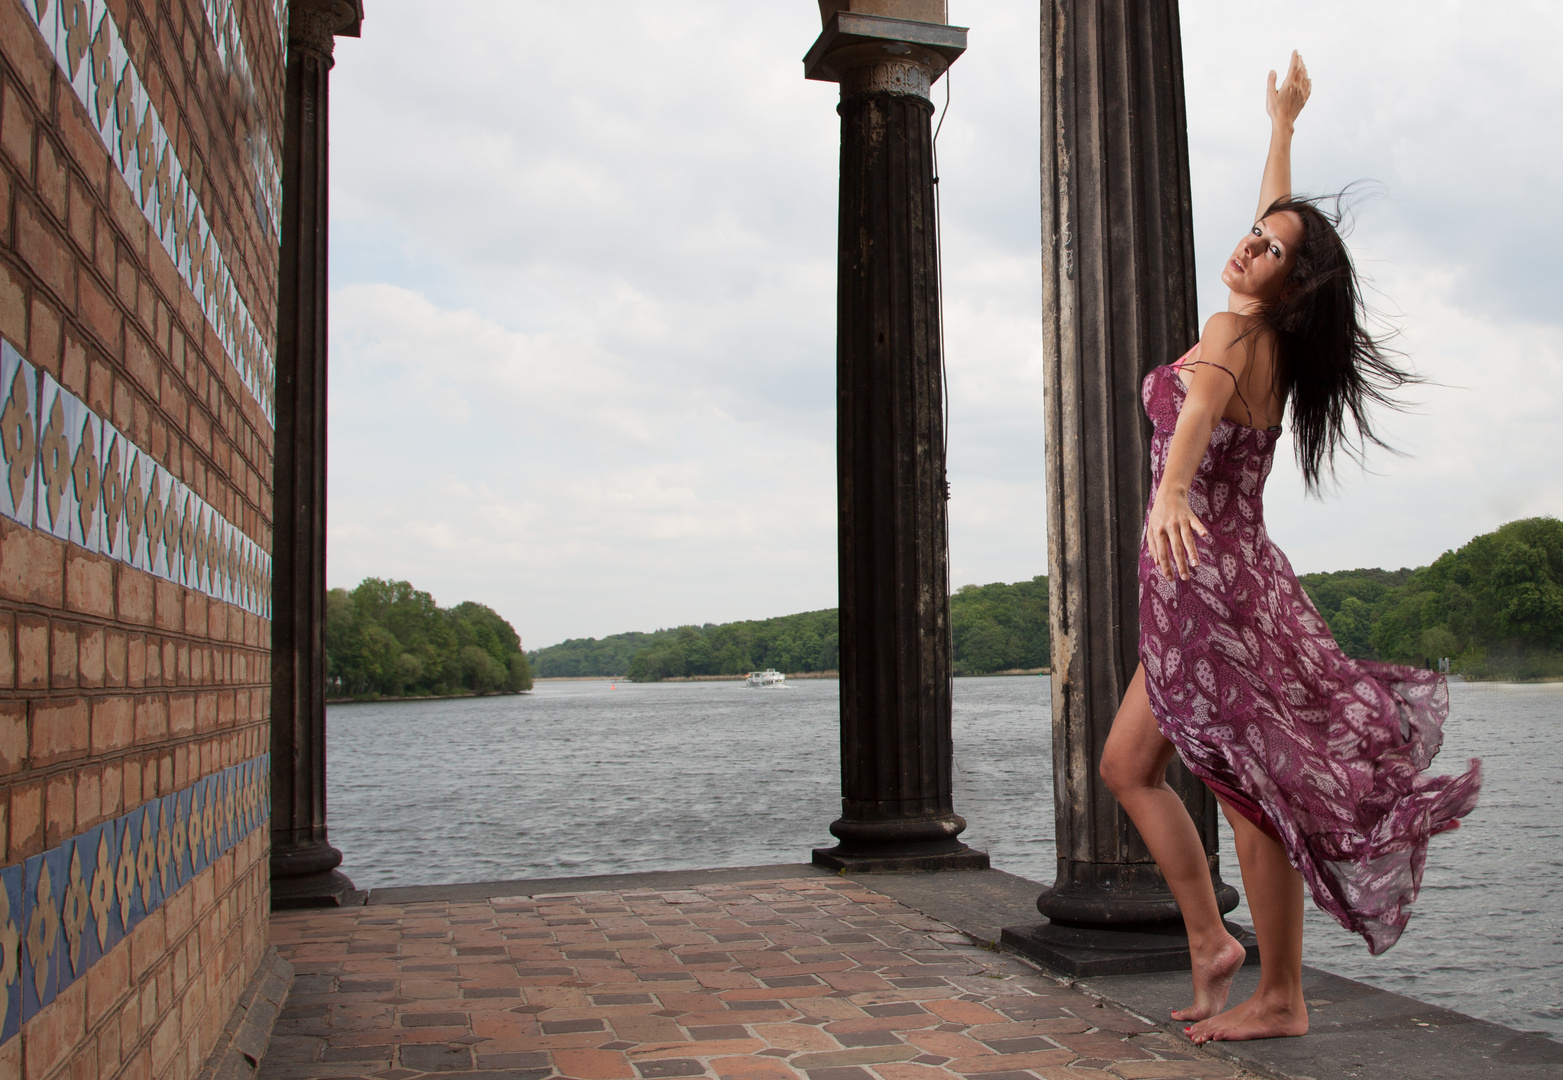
[869,54]
[316,24]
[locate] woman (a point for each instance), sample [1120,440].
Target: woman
[1317,759]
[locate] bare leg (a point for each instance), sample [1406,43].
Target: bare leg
[1134,764]
[1275,898]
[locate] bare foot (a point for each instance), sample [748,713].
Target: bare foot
[1255,1018]
[1213,974]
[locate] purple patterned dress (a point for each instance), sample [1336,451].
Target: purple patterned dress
[1325,753]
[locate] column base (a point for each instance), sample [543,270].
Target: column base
[306,876]
[962,858]
[331,889]
[1081,951]
[1122,896]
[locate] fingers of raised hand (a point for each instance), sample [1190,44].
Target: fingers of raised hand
[1297,78]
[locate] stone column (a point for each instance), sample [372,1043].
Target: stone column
[1118,298]
[895,662]
[303,863]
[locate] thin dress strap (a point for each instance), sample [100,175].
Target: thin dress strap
[1185,361]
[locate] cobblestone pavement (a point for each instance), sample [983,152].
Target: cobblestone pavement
[818,978]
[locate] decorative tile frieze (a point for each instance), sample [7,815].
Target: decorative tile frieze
[64,910]
[87,45]
[66,471]
[222,19]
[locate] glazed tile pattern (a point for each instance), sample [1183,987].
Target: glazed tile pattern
[63,910]
[68,472]
[86,44]
[222,19]
[764,980]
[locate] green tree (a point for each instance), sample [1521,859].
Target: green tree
[1000,627]
[388,639]
[995,627]
[1350,601]
[1494,606]
[585,657]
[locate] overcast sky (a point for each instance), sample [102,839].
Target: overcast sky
[583,295]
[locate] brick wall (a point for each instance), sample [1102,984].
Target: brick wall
[139,216]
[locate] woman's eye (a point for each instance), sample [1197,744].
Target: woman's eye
[1255,230]
[1276,252]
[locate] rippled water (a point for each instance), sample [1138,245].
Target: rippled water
[592,778]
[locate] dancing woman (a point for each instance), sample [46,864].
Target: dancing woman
[1318,760]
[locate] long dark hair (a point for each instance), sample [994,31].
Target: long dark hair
[1326,360]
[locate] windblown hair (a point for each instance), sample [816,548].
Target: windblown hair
[1326,360]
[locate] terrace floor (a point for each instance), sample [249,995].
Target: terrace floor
[784,975]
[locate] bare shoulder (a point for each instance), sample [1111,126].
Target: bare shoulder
[1232,340]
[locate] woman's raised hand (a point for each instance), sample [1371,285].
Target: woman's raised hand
[1284,103]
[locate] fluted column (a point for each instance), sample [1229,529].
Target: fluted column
[895,664]
[1118,298]
[303,863]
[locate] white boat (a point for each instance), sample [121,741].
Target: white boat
[768,677]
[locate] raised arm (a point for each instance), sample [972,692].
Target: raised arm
[1283,104]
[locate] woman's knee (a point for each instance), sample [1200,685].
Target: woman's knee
[1124,770]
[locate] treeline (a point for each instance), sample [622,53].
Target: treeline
[386,639]
[995,627]
[1350,601]
[791,643]
[579,658]
[1494,607]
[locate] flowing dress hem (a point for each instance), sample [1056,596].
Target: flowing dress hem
[1229,795]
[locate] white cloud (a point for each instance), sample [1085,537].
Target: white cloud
[531,470]
[584,286]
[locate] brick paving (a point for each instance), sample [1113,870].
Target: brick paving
[798,979]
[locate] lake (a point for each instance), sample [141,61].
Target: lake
[584,778]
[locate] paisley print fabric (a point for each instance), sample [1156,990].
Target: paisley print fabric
[1325,753]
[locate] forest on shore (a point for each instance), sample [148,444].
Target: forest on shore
[386,639]
[995,627]
[1494,608]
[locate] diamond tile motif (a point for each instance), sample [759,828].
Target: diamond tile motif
[86,44]
[60,420]
[12,927]
[69,472]
[759,980]
[114,459]
[18,435]
[63,910]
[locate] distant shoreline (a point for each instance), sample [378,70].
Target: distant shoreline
[740,678]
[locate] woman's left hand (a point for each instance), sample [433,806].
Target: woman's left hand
[1171,530]
[1285,102]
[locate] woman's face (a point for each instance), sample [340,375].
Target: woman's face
[1263,259]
